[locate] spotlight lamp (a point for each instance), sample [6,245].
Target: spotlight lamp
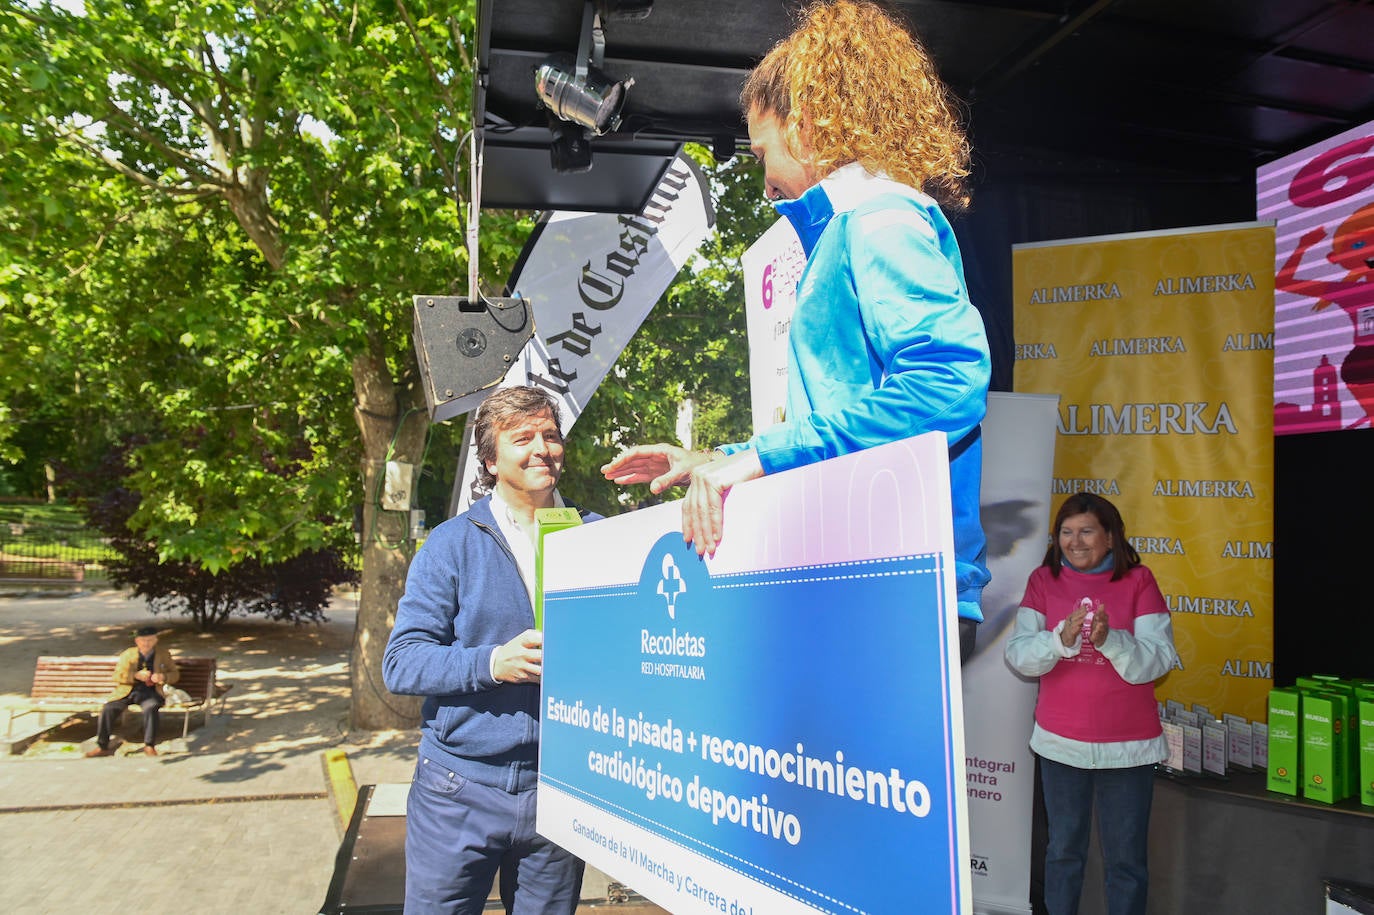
[580,94]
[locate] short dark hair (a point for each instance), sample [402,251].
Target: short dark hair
[500,411]
[145,630]
[1124,556]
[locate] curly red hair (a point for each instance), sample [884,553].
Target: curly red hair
[853,84]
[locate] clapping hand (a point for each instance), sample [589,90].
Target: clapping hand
[1101,626]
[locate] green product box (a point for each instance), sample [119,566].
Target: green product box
[1285,746]
[1351,761]
[549,520]
[1325,734]
[1322,681]
[1366,741]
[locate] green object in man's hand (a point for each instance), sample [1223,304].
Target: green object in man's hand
[548,520]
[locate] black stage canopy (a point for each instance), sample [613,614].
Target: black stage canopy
[1202,89]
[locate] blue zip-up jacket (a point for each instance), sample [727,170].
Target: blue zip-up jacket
[464,598]
[884,345]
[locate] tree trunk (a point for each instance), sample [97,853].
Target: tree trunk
[393,421]
[254,215]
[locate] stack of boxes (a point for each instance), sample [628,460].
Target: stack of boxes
[1321,739]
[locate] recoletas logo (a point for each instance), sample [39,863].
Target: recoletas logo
[674,579]
[671,584]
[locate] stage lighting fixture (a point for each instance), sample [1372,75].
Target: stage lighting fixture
[581,94]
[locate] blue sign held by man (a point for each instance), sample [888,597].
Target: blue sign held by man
[777,728]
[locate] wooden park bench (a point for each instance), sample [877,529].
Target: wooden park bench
[82,683]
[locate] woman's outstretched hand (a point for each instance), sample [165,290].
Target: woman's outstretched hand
[660,466]
[708,477]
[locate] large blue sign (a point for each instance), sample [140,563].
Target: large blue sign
[767,739]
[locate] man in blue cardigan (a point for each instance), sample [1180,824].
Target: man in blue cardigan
[464,639]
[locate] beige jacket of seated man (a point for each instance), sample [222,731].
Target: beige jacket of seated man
[126,669]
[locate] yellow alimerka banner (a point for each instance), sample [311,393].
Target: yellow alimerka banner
[1161,347]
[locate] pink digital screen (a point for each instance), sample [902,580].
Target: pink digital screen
[1321,200]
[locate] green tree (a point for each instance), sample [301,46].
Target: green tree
[216,216]
[295,588]
[283,177]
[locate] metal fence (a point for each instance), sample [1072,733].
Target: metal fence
[41,552]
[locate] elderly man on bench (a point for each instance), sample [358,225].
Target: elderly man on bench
[140,674]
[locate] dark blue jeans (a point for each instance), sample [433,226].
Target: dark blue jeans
[459,833]
[110,713]
[1122,799]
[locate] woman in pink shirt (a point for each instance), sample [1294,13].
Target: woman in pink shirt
[1094,628]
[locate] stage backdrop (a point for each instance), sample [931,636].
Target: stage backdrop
[1018,453]
[1161,348]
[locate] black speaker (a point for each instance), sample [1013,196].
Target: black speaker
[466,347]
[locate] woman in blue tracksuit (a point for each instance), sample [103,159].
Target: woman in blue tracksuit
[863,155]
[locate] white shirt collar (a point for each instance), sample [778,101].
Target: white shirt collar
[851,185]
[506,515]
[521,543]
